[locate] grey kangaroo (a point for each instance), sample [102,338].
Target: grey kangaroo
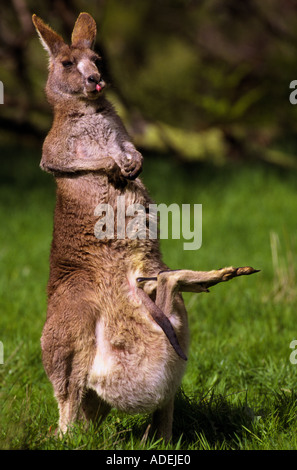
[116,332]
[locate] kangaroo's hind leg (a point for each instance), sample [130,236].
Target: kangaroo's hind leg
[68,345]
[162,421]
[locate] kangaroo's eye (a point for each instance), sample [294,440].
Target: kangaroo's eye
[67,63]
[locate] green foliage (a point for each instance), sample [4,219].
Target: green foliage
[239,391]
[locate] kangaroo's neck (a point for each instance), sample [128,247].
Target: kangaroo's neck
[73,106]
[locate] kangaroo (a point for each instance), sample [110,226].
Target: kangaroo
[116,331]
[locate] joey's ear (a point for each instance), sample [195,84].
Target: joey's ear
[84,31]
[50,40]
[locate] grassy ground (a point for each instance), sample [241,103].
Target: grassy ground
[239,391]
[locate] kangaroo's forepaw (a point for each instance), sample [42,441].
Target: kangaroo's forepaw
[132,165]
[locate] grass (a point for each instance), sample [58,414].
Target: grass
[239,391]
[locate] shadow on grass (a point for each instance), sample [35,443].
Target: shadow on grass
[212,416]
[208,422]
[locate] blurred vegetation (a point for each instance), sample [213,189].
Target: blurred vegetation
[201,79]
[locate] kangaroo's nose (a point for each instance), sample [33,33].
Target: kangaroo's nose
[94,79]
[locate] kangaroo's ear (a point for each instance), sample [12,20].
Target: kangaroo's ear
[84,31]
[50,40]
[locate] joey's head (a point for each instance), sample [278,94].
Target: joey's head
[74,71]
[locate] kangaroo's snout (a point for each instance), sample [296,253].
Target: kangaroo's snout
[96,81]
[91,76]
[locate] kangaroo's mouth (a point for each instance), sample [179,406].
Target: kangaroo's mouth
[96,89]
[99,87]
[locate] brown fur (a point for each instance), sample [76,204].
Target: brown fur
[101,344]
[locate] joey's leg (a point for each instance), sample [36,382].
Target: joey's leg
[198,281]
[162,421]
[161,319]
[168,283]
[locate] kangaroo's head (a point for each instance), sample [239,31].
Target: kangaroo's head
[74,71]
